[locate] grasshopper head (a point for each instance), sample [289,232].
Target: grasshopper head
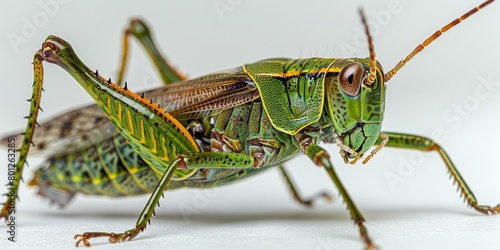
[355,102]
[355,105]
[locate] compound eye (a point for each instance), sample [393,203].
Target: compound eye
[351,77]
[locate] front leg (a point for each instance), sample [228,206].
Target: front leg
[399,140]
[321,158]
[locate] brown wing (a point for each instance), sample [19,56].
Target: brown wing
[197,98]
[205,96]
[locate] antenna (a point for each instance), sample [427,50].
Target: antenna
[430,39]
[373,61]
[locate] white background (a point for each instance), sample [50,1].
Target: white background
[423,211]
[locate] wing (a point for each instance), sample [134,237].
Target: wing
[69,131]
[192,99]
[205,96]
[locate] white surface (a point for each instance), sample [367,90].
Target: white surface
[423,212]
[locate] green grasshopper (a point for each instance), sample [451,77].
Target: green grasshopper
[212,130]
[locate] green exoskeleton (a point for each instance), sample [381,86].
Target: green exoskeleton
[212,130]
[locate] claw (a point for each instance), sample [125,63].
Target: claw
[487,209]
[83,239]
[86,236]
[113,237]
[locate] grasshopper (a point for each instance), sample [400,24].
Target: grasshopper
[215,129]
